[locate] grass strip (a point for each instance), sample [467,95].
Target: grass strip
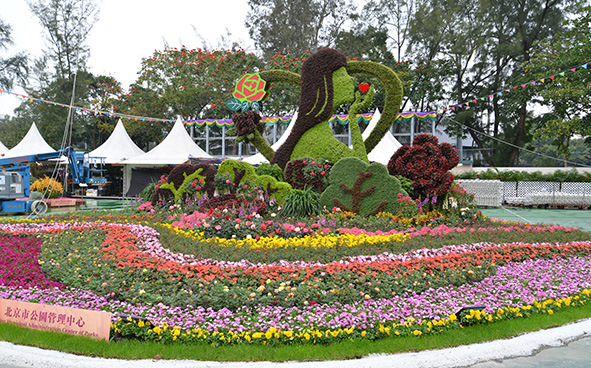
[131,349]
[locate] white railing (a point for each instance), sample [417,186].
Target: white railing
[493,193]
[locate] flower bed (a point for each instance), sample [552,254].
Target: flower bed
[126,269]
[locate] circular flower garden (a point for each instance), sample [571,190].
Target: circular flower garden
[332,277]
[237,255]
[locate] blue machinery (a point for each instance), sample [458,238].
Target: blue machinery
[15,178]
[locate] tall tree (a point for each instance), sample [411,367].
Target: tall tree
[395,16]
[67,24]
[532,20]
[295,25]
[13,67]
[190,83]
[447,36]
[87,131]
[60,74]
[566,96]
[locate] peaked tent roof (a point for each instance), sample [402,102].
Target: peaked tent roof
[173,150]
[3,149]
[33,143]
[386,147]
[117,147]
[259,158]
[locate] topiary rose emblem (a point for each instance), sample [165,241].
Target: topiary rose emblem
[249,91]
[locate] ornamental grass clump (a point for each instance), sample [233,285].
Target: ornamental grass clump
[301,203]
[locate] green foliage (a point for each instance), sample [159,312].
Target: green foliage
[301,203]
[567,95]
[308,172]
[362,188]
[405,183]
[393,97]
[232,167]
[273,187]
[177,185]
[515,175]
[94,92]
[192,83]
[295,27]
[272,170]
[12,68]
[148,192]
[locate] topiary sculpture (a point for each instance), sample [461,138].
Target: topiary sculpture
[175,189]
[324,85]
[361,188]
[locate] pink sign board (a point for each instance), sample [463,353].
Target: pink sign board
[55,318]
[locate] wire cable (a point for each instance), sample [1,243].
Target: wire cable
[513,145]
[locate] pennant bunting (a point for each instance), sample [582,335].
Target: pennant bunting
[136,118]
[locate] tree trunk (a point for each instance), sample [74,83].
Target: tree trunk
[519,136]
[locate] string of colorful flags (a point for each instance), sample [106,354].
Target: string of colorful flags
[274,119]
[87,110]
[507,90]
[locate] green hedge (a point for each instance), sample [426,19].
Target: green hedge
[557,176]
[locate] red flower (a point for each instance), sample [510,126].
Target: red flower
[251,88]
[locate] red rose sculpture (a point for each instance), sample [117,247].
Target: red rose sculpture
[250,88]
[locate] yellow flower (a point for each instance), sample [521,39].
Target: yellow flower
[417,333]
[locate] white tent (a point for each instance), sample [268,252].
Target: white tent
[117,147]
[386,147]
[32,144]
[3,149]
[259,158]
[175,149]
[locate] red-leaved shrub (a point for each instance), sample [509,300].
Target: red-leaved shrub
[426,163]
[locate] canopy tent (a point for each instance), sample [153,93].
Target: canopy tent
[175,149]
[32,144]
[386,147]
[3,149]
[259,158]
[117,147]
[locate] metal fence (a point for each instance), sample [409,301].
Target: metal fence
[493,193]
